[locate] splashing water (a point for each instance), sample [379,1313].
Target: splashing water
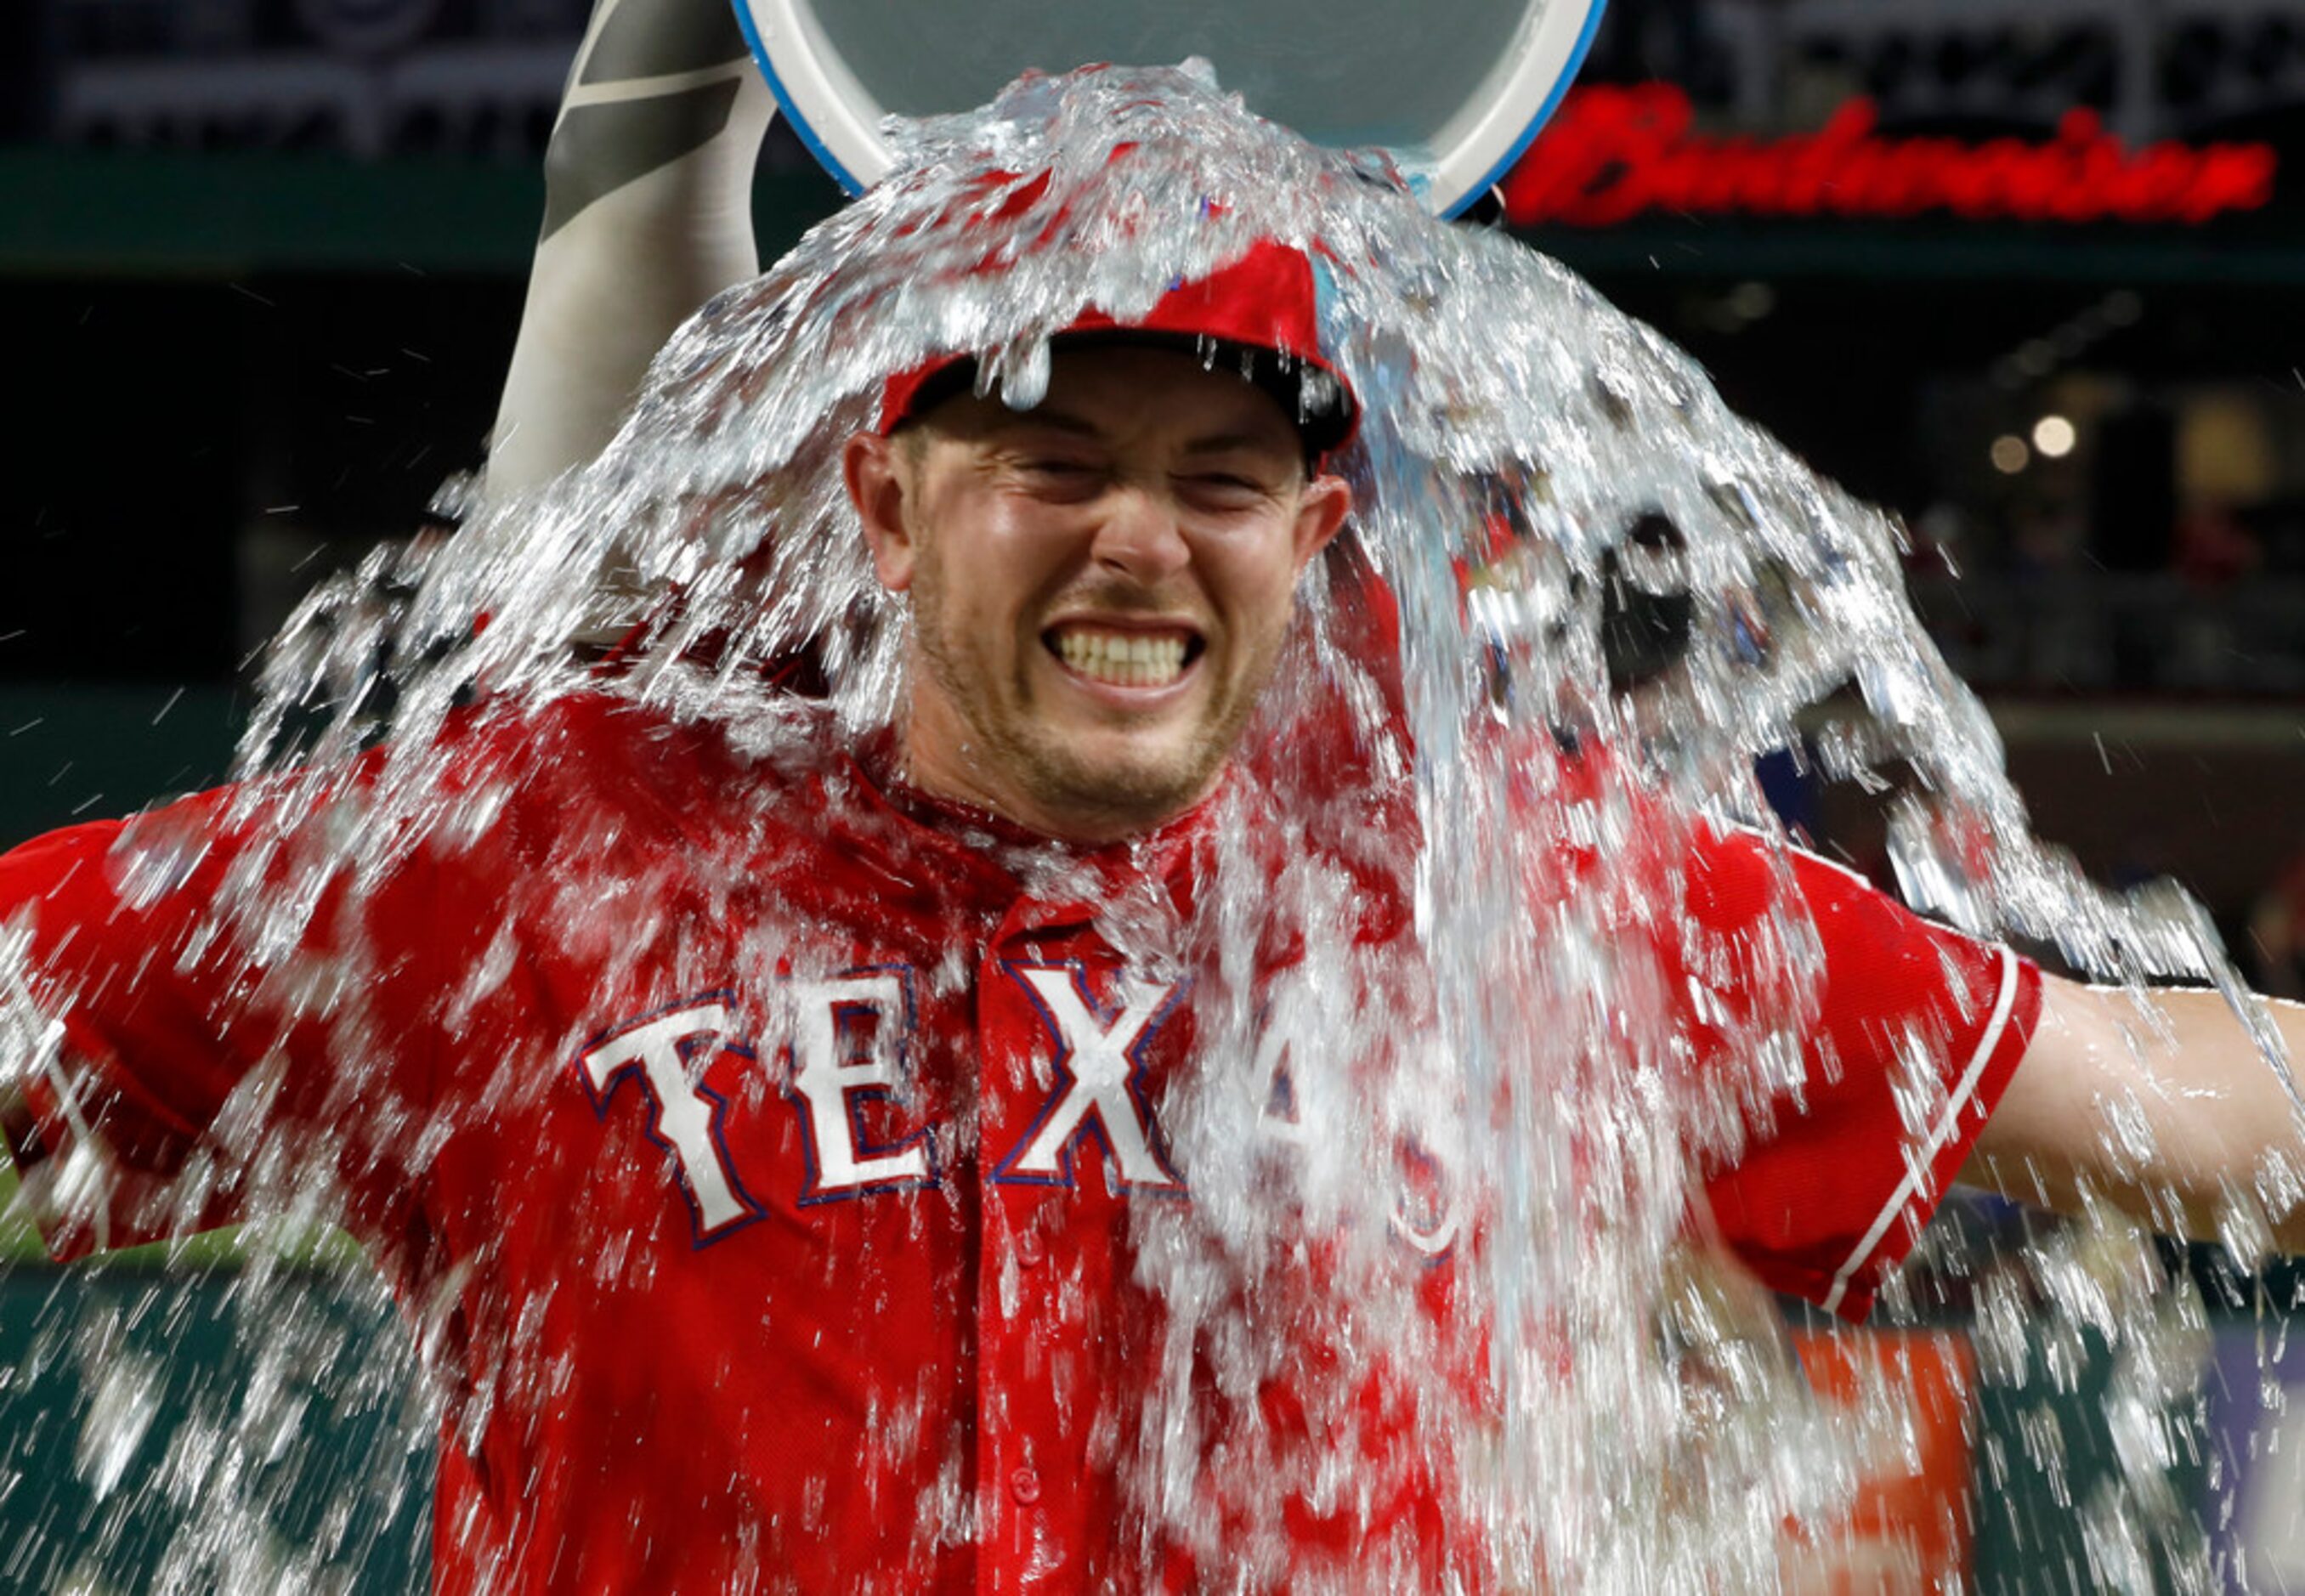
[1604,1407]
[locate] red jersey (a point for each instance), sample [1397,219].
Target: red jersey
[760,1145]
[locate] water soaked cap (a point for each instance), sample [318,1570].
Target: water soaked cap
[1258,316]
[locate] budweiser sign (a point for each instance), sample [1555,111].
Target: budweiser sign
[1613,153]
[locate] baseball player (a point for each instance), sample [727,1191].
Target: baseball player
[768,1130]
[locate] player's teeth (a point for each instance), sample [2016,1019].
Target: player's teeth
[1127,661]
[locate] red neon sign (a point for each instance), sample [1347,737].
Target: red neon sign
[1613,153]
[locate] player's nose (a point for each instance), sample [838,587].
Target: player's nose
[1138,536]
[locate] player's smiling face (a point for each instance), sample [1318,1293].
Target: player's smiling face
[1100,586]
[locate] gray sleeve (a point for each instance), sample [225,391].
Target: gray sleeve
[647,214]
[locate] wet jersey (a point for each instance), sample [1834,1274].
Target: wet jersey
[758,1146]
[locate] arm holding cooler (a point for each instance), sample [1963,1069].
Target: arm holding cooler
[647,214]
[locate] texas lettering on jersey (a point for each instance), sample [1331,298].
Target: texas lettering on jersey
[847,1051]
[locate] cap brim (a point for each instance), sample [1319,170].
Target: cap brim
[1315,399]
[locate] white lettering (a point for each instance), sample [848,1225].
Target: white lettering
[829,1070]
[1282,1118]
[1099,1096]
[687,1118]
[1430,1210]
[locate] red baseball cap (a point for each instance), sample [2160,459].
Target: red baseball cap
[1258,316]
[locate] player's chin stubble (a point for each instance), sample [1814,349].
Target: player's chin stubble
[1144,792]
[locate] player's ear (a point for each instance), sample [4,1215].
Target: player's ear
[874,470]
[1320,512]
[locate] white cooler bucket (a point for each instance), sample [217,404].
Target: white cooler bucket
[1455,89]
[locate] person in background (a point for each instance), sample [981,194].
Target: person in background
[2277,927]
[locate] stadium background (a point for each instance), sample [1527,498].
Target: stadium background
[263,263]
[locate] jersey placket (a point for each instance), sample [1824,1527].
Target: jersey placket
[1052,1287]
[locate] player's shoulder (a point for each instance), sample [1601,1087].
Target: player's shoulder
[590,750]
[1719,867]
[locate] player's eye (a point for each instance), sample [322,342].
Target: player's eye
[1223,490]
[1063,477]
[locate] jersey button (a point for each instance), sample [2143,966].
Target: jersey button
[1024,1485]
[1029,1250]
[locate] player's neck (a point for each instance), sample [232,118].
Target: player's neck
[948,771]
